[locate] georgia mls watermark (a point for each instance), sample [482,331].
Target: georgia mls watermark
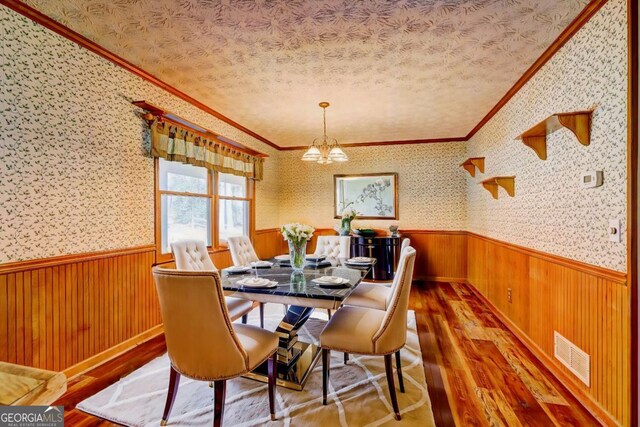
[31,416]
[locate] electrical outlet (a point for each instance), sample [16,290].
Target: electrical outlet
[509,295]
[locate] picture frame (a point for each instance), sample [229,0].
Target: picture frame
[372,195]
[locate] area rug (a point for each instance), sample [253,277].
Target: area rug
[358,392]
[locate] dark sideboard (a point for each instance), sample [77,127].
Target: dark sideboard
[385,249]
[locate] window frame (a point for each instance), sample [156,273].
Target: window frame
[214,200]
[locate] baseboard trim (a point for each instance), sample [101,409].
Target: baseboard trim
[111,353]
[441,279]
[584,399]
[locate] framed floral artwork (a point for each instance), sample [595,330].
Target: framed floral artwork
[372,195]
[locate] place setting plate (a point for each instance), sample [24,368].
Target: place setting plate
[242,269]
[331,282]
[361,260]
[261,264]
[284,259]
[257,283]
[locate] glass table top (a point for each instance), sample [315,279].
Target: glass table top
[301,284]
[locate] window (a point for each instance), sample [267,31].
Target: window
[233,212]
[190,205]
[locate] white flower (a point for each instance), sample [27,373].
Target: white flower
[349,213]
[296,232]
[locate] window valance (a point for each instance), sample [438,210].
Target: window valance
[173,142]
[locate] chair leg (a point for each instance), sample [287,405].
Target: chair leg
[262,315]
[399,371]
[346,358]
[285,308]
[329,313]
[272,369]
[220,392]
[388,366]
[325,373]
[174,381]
[245,318]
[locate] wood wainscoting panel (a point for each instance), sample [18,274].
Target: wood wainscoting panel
[587,305]
[56,313]
[269,243]
[441,256]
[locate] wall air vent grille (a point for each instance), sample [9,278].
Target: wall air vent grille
[576,360]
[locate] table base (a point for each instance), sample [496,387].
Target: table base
[294,375]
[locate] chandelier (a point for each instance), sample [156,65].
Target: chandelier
[325,150]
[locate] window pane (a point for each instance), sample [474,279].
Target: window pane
[234,218]
[232,185]
[185,218]
[176,176]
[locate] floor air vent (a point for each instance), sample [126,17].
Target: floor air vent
[576,360]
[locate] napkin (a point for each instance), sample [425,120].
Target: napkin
[261,264]
[254,281]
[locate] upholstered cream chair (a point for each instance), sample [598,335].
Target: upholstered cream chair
[192,255]
[202,343]
[242,252]
[373,295]
[333,246]
[373,332]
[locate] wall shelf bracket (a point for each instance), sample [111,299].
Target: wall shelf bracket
[506,182]
[578,122]
[472,163]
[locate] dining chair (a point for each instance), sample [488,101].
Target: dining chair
[242,253]
[333,246]
[374,295]
[372,332]
[192,255]
[202,343]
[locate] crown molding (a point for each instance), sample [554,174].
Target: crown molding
[583,17]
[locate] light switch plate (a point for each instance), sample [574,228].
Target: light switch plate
[591,179]
[614,231]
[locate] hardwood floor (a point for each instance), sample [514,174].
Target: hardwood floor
[478,373]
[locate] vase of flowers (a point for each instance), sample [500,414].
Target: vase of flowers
[348,215]
[297,235]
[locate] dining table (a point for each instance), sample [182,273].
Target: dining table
[300,292]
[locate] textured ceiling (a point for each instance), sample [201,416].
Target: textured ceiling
[392,70]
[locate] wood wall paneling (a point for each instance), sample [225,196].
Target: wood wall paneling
[589,306]
[442,255]
[70,313]
[62,311]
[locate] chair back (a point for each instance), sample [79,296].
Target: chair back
[192,255]
[333,246]
[201,342]
[405,244]
[392,334]
[242,252]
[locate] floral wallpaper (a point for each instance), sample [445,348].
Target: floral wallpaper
[408,65]
[551,212]
[76,176]
[431,187]
[74,170]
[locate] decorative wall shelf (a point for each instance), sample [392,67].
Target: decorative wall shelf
[506,182]
[472,163]
[578,122]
